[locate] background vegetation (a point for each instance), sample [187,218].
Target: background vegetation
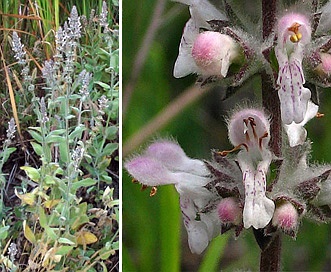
[157,105]
[59,115]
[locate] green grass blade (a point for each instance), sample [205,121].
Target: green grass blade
[214,253]
[170,225]
[127,263]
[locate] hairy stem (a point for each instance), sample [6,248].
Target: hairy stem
[270,254]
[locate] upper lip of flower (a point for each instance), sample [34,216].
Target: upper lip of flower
[257,140]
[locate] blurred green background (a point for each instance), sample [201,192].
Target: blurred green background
[154,238]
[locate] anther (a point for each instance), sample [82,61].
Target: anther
[296,37]
[143,187]
[153,191]
[319,115]
[294,28]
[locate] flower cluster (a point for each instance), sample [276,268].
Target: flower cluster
[234,190]
[18,48]
[10,132]
[210,46]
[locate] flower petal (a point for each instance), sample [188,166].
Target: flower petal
[194,186]
[325,20]
[258,209]
[149,171]
[196,230]
[173,157]
[203,11]
[185,63]
[296,133]
[292,94]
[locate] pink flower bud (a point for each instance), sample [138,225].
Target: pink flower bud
[229,211]
[213,53]
[286,218]
[208,53]
[324,69]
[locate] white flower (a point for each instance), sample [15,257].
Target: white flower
[201,228]
[249,129]
[294,33]
[164,162]
[206,53]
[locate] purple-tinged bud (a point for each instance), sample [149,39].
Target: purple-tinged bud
[324,68]
[213,53]
[229,211]
[286,218]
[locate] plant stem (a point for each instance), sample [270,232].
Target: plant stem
[270,254]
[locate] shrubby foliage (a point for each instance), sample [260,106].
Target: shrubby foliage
[59,203]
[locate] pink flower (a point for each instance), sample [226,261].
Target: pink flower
[208,53]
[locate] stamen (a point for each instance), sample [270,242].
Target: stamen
[226,152]
[135,181]
[296,37]
[265,135]
[153,191]
[253,124]
[143,187]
